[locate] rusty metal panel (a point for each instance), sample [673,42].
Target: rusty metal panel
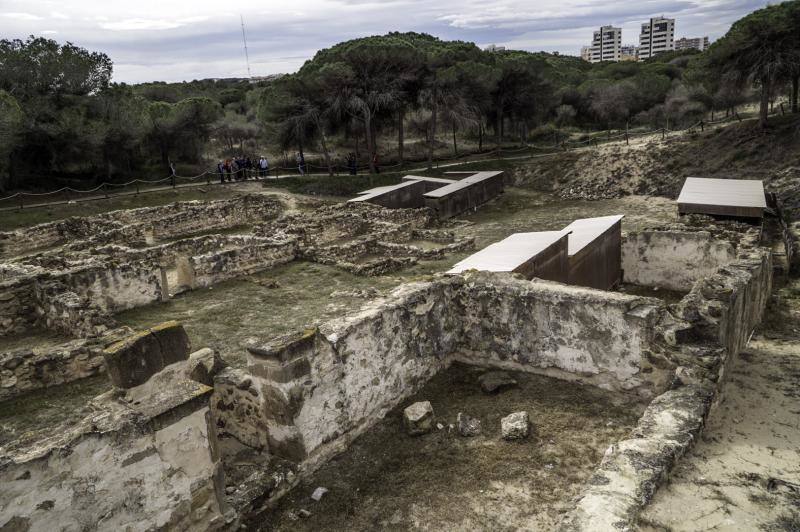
[468,193]
[406,195]
[552,264]
[740,198]
[595,252]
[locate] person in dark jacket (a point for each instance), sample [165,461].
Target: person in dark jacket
[221,172]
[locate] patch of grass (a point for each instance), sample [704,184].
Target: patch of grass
[26,217]
[26,418]
[339,186]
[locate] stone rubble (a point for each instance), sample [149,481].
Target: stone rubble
[515,426]
[496,381]
[468,426]
[418,418]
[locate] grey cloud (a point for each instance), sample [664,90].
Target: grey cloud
[175,42]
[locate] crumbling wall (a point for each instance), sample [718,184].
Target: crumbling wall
[317,390]
[714,323]
[307,395]
[114,288]
[673,259]
[24,370]
[132,477]
[603,338]
[139,225]
[252,254]
[17,305]
[145,458]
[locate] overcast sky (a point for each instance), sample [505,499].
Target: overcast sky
[173,41]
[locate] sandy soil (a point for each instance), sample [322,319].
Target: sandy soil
[744,474]
[388,480]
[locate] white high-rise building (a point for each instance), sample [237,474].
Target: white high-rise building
[657,37]
[606,44]
[689,43]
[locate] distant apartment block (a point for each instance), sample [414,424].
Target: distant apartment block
[628,52]
[586,53]
[689,43]
[606,44]
[657,37]
[494,48]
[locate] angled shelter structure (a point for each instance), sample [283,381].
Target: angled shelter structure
[406,195]
[729,198]
[542,255]
[431,183]
[468,193]
[595,252]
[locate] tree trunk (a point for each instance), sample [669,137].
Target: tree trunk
[455,147]
[480,137]
[401,116]
[370,143]
[326,154]
[763,110]
[795,90]
[432,137]
[498,130]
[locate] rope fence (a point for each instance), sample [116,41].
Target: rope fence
[211,176]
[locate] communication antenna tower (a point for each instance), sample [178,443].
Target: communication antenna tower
[246,55]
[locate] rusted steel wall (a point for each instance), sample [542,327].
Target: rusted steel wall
[599,264]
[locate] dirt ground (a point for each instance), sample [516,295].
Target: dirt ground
[388,480]
[744,473]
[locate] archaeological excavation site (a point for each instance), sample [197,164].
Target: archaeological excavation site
[446,353]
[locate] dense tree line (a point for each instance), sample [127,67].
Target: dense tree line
[61,117]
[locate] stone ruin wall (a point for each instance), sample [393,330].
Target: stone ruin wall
[145,459]
[139,225]
[305,398]
[675,258]
[76,290]
[250,255]
[717,319]
[24,370]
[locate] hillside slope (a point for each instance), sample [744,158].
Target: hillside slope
[658,167]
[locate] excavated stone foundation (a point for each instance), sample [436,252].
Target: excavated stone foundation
[184,442]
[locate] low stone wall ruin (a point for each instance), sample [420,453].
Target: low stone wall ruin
[145,459]
[716,321]
[305,397]
[249,255]
[137,225]
[309,395]
[677,257]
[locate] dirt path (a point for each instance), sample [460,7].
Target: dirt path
[744,474]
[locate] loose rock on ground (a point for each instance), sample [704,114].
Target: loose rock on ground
[515,426]
[418,418]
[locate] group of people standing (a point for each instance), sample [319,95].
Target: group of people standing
[241,168]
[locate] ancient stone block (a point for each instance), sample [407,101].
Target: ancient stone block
[204,365]
[418,418]
[173,340]
[515,426]
[132,361]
